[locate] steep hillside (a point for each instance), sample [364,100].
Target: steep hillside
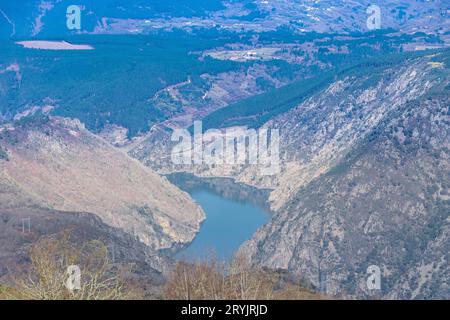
[364,180]
[45,18]
[328,121]
[379,200]
[56,163]
[318,133]
[21,228]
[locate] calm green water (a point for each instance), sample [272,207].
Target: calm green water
[233,214]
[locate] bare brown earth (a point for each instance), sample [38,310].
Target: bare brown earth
[58,164]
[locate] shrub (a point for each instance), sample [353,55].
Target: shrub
[47,274]
[235,280]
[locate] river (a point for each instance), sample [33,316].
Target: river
[233,214]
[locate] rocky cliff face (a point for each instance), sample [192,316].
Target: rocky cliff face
[379,194]
[320,132]
[57,164]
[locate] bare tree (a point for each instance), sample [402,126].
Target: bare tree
[235,280]
[47,277]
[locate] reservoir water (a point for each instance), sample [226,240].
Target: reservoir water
[233,214]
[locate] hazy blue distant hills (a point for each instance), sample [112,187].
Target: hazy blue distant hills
[40,18]
[48,18]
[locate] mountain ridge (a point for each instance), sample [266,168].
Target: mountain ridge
[385,203]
